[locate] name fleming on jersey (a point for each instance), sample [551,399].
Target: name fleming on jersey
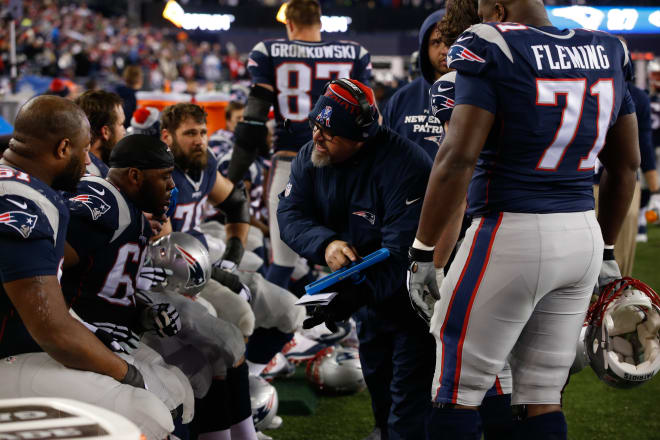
[556,57]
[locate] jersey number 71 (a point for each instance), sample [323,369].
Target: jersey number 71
[575,91]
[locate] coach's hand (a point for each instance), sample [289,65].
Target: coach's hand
[422,283]
[348,300]
[339,254]
[609,271]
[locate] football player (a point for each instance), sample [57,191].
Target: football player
[107,238]
[535,106]
[290,75]
[47,153]
[106,118]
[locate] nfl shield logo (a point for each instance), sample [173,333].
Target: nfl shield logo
[287,190]
[324,116]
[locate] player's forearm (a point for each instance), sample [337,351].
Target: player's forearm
[74,346]
[614,197]
[448,238]
[445,196]
[652,180]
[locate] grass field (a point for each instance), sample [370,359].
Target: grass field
[593,409]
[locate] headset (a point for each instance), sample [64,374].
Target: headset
[366,116]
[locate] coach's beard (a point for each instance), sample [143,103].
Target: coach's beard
[319,159]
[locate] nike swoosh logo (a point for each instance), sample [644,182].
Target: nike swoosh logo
[97,191]
[19,204]
[467,37]
[444,90]
[410,202]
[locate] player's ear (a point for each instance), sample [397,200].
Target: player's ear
[135,176]
[166,137]
[63,148]
[105,132]
[500,10]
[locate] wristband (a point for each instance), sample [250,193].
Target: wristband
[421,246]
[133,377]
[420,255]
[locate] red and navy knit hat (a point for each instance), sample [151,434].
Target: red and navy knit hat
[346,109]
[146,120]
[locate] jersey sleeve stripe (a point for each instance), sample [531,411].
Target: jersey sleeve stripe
[491,35]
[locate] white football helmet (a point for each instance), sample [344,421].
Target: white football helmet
[622,337]
[187,259]
[336,369]
[264,402]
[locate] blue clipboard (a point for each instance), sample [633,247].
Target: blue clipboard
[354,269]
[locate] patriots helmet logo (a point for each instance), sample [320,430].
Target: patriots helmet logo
[96,205]
[458,52]
[21,221]
[324,116]
[195,272]
[346,355]
[368,216]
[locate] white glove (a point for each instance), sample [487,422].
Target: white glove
[609,271]
[422,285]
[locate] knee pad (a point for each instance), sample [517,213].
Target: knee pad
[229,306]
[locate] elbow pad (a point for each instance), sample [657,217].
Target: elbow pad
[250,134]
[236,206]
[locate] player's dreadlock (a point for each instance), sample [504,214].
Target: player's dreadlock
[460,15]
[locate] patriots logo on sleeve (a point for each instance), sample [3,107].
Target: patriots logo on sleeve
[96,205]
[458,52]
[21,221]
[196,275]
[441,103]
[368,216]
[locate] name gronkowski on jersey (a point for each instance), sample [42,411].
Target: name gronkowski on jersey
[33,224]
[193,193]
[110,235]
[299,71]
[555,94]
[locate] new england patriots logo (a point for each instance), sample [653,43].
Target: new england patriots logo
[368,216]
[344,356]
[324,116]
[96,205]
[195,272]
[21,221]
[440,103]
[458,52]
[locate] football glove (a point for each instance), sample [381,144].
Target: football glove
[231,281]
[422,284]
[348,300]
[609,271]
[155,275]
[163,318]
[133,377]
[232,255]
[115,335]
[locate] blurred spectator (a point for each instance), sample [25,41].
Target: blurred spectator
[133,81]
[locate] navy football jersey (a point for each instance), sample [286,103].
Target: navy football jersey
[97,167]
[109,234]
[193,193]
[555,93]
[298,71]
[33,224]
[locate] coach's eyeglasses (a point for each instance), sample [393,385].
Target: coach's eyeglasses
[326,134]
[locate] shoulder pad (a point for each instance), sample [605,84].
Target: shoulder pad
[99,201]
[477,49]
[442,94]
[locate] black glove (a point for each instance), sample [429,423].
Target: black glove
[232,256]
[133,377]
[115,336]
[348,300]
[233,282]
[163,318]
